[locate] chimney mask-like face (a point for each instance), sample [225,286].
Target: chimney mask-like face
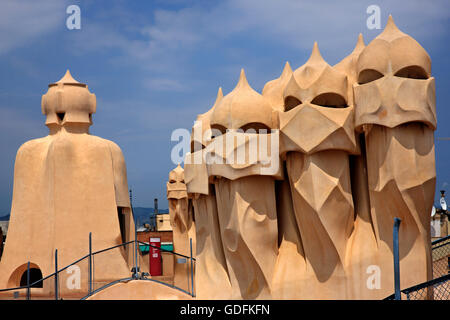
[241,135]
[68,101]
[243,108]
[315,109]
[273,90]
[201,134]
[176,186]
[394,83]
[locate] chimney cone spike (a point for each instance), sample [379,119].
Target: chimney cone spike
[391,31]
[179,168]
[219,95]
[315,54]
[67,78]
[287,70]
[242,79]
[292,83]
[390,23]
[360,43]
[391,26]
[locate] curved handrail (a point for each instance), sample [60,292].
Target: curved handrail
[109,284]
[106,286]
[440,240]
[132,279]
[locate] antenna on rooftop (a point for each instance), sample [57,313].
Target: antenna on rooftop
[442,201]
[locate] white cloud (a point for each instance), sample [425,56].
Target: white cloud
[163,84]
[168,39]
[25,21]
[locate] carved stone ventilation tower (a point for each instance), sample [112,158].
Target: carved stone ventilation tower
[67,185]
[356,149]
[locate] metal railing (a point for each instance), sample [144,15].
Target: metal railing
[439,287]
[441,257]
[436,289]
[190,289]
[95,263]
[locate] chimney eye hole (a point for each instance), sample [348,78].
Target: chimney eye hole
[61,116]
[217,130]
[412,72]
[369,75]
[330,100]
[255,127]
[290,103]
[196,146]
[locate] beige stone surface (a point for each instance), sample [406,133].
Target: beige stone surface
[245,230]
[66,185]
[287,281]
[273,90]
[211,268]
[394,82]
[201,131]
[163,222]
[302,210]
[248,225]
[398,123]
[183,228]
[317,126]
[140,290]
[242,108]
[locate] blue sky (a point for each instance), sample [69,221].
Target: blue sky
[154,65]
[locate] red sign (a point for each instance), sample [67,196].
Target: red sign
[155,257]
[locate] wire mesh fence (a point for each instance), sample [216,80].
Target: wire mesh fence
[436,289]
[439,287]
[441,257]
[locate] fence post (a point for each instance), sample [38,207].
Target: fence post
[136,274]
[28,281]
[56,274]
[136,248]
[90,263]
[397,222]
[192,271]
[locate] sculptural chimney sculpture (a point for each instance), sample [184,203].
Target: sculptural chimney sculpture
[245,196]
[211,267]
[183,226]
[396,111]
[67,185]
[356,143]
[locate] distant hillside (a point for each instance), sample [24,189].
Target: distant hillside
[4,218]
[144,215]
